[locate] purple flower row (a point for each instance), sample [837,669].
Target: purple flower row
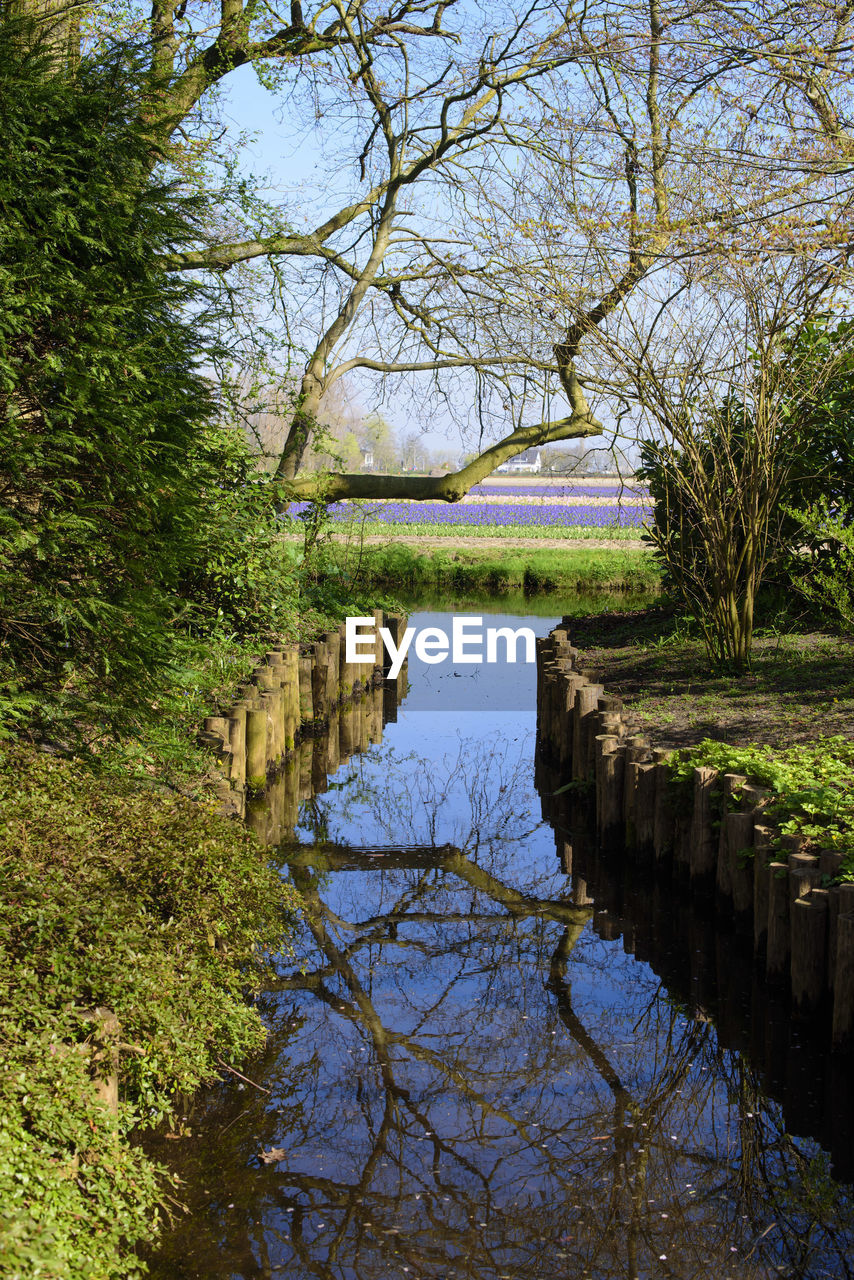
[502,516]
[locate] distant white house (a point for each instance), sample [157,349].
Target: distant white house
[528,462]
[367,452]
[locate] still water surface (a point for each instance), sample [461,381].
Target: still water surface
[465,1079]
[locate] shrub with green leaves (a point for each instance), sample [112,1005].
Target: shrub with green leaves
[811,785]
[243,576]
[156,908]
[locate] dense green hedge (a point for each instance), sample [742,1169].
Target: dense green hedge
[129,509]
[157,908]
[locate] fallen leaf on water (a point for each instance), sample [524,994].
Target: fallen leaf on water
[273,1155]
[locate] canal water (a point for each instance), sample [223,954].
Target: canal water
[483,1066]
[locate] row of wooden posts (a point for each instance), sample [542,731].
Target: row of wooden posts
[301,715]
[718,841]
[351,728]
[707,970]
[293,690]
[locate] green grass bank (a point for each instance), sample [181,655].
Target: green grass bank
[571,569]
[122,889]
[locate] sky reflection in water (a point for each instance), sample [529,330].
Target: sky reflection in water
[465,1080]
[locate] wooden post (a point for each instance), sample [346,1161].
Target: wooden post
[609,789]
[237,742]
[256,748]
[662,838]
[829,862]
[586,698]
[843,991]
[681,846]
[547,727]
[559,670]
[645,789]
[804,875]
[306,692]
[580,688]
[320,663]
[637,752]
[730,784]
[569,684]
[333,688]
[217,727]
[272,705]
[738,843]
[291,698]
[809,952]
[702,853]
[778,943]
[764,840]
[345,668]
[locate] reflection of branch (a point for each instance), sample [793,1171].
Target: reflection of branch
[518,904]
[370,1019]
[361,1010]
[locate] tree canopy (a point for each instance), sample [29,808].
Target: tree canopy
[509,201]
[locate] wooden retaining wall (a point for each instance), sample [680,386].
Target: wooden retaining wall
[709,974]
[292,694]
[715,843]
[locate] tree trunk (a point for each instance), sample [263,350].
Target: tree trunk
[55,23]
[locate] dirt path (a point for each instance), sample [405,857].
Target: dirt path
[800,686]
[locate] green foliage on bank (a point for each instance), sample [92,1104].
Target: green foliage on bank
[811,785]
[162,911]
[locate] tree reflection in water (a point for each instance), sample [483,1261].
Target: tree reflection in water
[467,1082]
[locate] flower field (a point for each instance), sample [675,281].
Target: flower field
[505,511]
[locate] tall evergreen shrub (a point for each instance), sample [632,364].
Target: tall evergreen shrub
[117,489]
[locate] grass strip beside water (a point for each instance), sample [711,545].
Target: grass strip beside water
[788,723]
[153,906]
[550,569]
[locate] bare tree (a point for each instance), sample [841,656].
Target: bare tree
[728,443]
[499,205]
